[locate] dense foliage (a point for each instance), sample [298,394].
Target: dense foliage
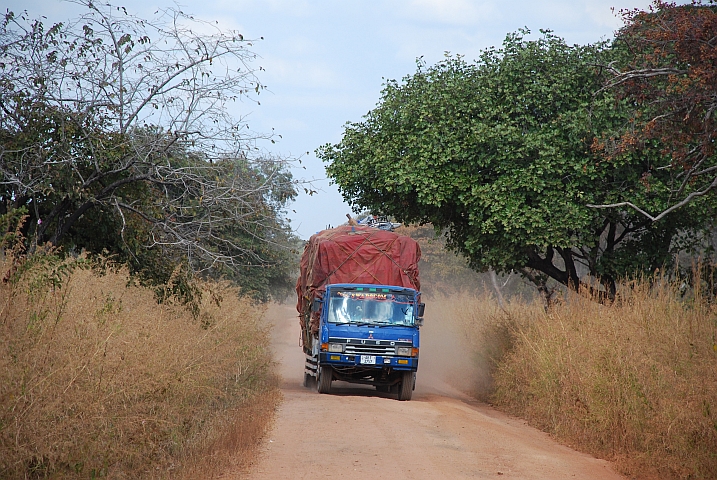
[116,139]
[500,154]
[669,77]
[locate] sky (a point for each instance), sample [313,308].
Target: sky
[325,61]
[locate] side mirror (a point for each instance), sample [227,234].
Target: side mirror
[419,322]
[316,305]
[421,309]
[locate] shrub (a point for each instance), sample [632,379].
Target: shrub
[97,379]
[633,382]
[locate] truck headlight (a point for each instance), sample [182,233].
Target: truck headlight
[403,351]
[336,347]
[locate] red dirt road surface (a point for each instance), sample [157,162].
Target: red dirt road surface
[357,432]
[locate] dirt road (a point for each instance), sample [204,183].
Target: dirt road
[357,432]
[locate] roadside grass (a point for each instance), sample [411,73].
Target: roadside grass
[98,380]
[634,382]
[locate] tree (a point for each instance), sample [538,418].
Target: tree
[498,152]
[117,135]
[669,77]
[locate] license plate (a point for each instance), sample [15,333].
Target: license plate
[368,359]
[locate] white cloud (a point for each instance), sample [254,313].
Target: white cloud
[298,73]
[294,8]
[605,13]
[431,42]
[603,16]
[290,124]
[453,12]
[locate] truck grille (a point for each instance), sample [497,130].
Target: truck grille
[370,350]
[355,346]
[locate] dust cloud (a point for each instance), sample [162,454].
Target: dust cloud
[288,354]
[451,361]
[455,345]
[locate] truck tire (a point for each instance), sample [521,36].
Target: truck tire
[405,391]
[325,376]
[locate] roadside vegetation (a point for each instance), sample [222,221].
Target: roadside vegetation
[564,163]
[590,171]
[97,379]
[141,225]
[633,382]
[117,138]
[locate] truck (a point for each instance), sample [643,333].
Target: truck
[360,310]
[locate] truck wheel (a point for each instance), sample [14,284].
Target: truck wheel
[405,391]
[325,376]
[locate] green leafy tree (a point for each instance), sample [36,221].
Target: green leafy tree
[116,137]
[499,154]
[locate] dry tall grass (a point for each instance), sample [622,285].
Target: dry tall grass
[98,380]
[634,382]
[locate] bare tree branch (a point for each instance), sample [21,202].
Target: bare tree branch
[135,118]
[665,212]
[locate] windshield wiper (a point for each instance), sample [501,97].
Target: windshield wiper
[374,324]
[384,324]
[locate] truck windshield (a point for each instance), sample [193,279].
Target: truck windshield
[370,307]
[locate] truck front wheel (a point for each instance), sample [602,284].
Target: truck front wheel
[325,376]
[405,390]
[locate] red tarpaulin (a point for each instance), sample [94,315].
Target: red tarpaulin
[357,254]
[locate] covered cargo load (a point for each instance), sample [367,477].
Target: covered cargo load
[353,254]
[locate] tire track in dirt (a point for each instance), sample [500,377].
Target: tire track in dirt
[358,432]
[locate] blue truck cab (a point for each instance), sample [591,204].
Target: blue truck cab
[368,334]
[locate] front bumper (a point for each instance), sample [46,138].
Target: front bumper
[364,361]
